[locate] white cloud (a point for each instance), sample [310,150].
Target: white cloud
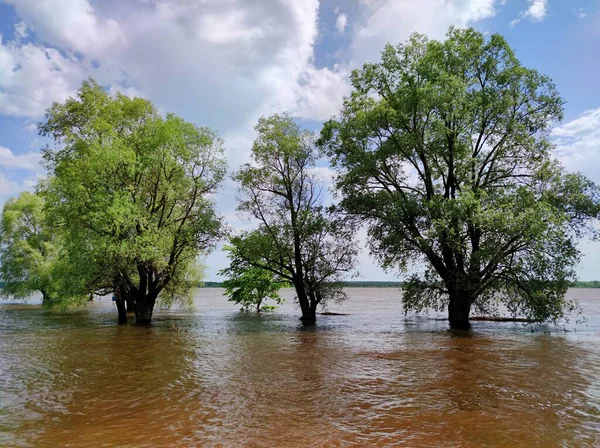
[33,76]
[10,183]
[29,161]
[393,22]
[536,12]
[341,22]
[21,30]
[320,91]
[217,63]
[8,187]
[578,144]
[69,24]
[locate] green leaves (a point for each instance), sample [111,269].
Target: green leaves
[297,240]
[131,191]
[250,286]
[27,247]
[442,148]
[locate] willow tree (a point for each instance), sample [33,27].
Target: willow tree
[132,193]
[443,150]
[28,248]
[297,239]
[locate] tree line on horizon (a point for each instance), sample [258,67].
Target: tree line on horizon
[441,151]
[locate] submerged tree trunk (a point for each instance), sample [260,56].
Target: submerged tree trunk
[459,309]
[144,305]
[309,315]
[121,311]
[130,302]
[120,302]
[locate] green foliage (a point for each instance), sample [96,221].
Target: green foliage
[250,286]
[443,149]
[298,240]
[28,247]
[132,192]
[30,257]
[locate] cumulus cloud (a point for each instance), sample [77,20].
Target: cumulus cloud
[578,144]
[320,92]
[536,12]
[33,76]
[72,24]
[393,22]
[29,161]
[217,63]
[10,183]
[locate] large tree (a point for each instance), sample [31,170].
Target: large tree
[132,192]
[297,239]
[443,149]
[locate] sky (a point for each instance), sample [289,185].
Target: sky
[225,63]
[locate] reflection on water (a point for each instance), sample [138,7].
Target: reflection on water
[218,377]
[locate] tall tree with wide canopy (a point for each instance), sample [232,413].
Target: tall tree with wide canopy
[443,149]
[297,239]
[132,192]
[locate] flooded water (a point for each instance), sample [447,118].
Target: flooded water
[218,377]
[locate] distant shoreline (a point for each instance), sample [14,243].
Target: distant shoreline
[366,284]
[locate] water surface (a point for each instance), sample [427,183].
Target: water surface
[218,377]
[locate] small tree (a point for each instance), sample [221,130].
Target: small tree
[443,150]
[132,193]
[248,285]
[28,248]
[297,239]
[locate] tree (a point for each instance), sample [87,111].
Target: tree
[297,239]
[443,149]
[248,285]
[28,248]
[132,192]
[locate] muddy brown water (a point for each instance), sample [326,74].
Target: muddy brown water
[216,377]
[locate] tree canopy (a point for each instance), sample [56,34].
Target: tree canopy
[248,285]
[443,150]
[132,193]
[297,239]
[28,248]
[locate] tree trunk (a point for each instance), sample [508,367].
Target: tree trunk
[122,312]
[130,301]
[128,298]
[120,302]
[309,317]
[459,309]
[144,305]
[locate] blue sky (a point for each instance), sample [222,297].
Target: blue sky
[223,64]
